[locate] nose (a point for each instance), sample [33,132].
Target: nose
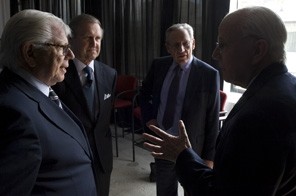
[93,42]
[180,48]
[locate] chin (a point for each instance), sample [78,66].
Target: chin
[60,79]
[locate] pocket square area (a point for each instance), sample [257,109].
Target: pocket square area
[106,96]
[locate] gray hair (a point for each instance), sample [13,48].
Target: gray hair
[76,22]
[180,26]
[263,23]
[27,26]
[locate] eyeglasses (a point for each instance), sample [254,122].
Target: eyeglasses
[177,46]
[65,48]
[220,46]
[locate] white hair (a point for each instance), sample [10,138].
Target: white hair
[179,26]
[27,26]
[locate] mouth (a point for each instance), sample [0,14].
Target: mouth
[64,69]
[93,50]
[182,56]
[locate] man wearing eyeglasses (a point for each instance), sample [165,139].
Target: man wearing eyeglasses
[88,90]
[43,146]
[180,86]
[256,148]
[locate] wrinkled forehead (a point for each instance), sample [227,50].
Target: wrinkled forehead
[178,35]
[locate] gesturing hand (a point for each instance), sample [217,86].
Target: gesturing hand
[167,146]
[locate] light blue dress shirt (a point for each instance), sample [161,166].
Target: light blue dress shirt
[174,130]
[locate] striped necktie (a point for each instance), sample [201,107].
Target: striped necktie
[54,97]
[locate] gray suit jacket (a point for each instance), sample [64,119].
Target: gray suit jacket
[43,149]
[201,104]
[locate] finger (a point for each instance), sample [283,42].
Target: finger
[152,138]
[151,147]
[182,129]
[183,133]
[158,131]
[157,155]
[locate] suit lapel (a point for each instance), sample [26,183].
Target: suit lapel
[161,71]
[66,121]
[56,115]
[255,86]
[74,84]
[99,78]
[191,87]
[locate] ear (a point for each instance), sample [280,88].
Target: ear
[27,51]
[193,44]
[261,50]
[168,48]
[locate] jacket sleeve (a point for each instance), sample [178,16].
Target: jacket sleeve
[195,177]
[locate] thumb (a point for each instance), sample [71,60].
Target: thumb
[183,133]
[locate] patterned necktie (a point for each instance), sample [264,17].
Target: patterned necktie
[169,112]
[89,75]
[54,97]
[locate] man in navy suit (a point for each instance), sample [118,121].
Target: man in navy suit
[197,101]
[90,95]
[256,148]
[43,147]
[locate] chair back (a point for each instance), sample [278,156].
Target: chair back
[223,97]
[128,84]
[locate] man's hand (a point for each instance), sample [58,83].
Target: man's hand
[167,146]
[152,122]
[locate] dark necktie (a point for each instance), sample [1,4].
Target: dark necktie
[89,75]
[54,97]
[169,112]
[89,88]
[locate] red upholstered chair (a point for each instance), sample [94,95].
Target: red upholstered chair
[223,112]
[126,88]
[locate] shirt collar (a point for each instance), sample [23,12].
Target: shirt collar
[33,81]
[80,66]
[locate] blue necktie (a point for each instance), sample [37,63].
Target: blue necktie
[169,113]
[89,75]
[88,87]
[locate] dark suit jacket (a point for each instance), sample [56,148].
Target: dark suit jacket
[256,149]
[201,103]
[71,93]
[43,150]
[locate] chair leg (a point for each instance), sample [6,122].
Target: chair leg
[133,135]
[115,129]
[122,123]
